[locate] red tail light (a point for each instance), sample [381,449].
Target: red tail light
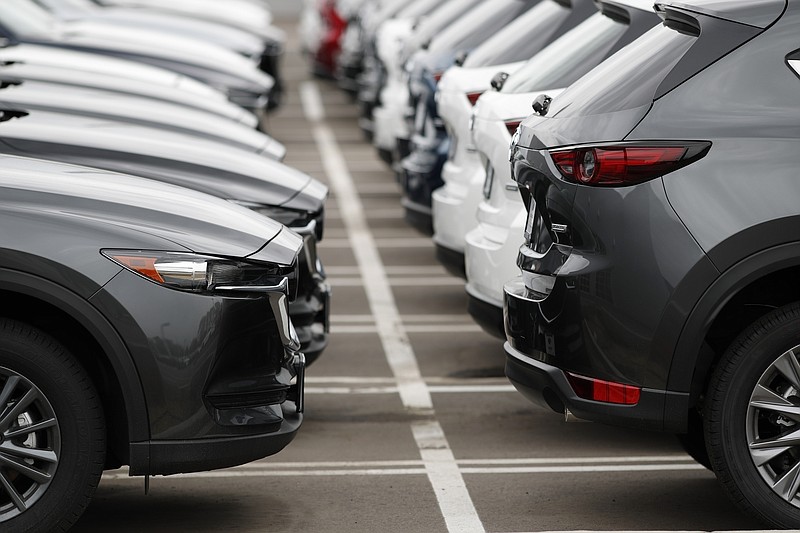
[604,391]
[626,164]
[473,97]
[437,76]
[512,126]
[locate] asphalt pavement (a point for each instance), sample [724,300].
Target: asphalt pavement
[410,425]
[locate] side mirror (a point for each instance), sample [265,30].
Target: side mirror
[461,57]
[541,105]
[499,80]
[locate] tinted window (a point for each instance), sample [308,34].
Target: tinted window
[437,20]
[626,80]
[522,38]
[571,56]
[478,25]
[419,8]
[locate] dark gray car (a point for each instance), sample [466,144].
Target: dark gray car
[662,251]
[143,325]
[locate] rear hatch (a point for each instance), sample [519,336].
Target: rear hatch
[605,105]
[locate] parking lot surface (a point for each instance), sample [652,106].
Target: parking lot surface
[410,425]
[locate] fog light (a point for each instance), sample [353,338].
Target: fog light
[603,391]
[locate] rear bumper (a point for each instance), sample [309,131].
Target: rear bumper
[540,374]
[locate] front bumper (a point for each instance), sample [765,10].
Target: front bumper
[310,311]
[535,368]
[421,174]
[221,373]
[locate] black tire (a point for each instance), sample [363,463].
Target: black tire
[694,442]
[741,413]
[70,451]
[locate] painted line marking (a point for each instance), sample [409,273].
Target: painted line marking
[374,214]
[436,468]
[391,270]
[454,499]
[433,389]
[357,380]
[385,242]
[425,319]
[411,328]
[443,281]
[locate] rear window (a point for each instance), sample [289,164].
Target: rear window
[479,24]
[522,38]
[568,58]
[418,9]
[626,80]
[438,19]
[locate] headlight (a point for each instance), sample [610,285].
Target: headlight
[199,273]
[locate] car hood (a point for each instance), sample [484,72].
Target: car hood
[87,102]
[126,211]
[112,84]
[243,15]
[94,35]
[234,39]
[83,62]
[195,163]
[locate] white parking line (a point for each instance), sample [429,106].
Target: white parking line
[384,242]
[451,491]
[425,319]
[390,270]
[411,328]
[437,465]
[439,281]
[433,389]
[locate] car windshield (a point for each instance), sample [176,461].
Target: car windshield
[522,38]
[571,56]
[628,79]
[26,19]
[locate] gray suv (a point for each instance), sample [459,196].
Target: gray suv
[661,261]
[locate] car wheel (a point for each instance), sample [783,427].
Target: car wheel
[753,419]
[52,432]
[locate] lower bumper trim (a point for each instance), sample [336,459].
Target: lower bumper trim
[452,261]
[165,457]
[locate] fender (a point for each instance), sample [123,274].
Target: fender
[689,354]
[118,355]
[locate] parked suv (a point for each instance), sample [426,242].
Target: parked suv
[142,324]
[662,251]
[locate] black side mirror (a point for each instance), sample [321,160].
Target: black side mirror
[542,104]
[499,80]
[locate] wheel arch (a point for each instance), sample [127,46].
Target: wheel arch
[756,285]
[72,320]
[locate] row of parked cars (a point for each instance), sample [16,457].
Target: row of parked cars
[617,182]
[162,294]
